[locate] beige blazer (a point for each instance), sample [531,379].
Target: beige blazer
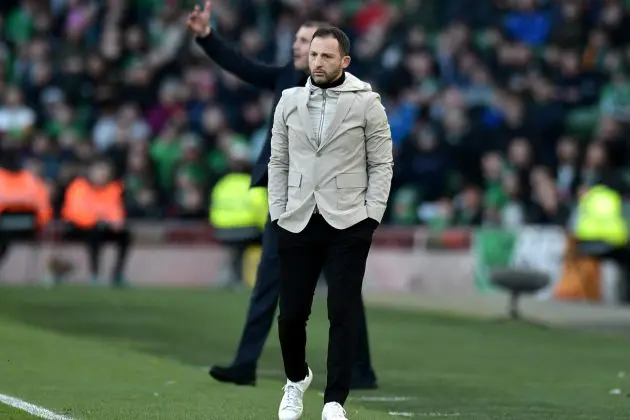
[346,175]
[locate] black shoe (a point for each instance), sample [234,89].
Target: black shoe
[233,376]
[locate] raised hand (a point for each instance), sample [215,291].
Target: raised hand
[199,20]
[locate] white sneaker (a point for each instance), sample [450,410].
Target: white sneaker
[333,411]
[291,406]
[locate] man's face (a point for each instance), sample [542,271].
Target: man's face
[99,174]
[300,47]
[325,60]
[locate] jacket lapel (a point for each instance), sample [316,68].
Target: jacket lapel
[304,116]
[344,103]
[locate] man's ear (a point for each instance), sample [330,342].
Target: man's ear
[345,61]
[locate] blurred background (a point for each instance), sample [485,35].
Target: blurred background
[501,114]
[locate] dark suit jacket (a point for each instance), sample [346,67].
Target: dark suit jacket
[264,76]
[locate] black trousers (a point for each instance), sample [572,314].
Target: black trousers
[6,239]
[262,309]
[98,236]
[302,256]
[4,249]
[237,251]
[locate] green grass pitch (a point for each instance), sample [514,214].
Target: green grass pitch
[102,354]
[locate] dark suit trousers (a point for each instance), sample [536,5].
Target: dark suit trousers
[95,238]
[262,304]
[302,257]
[262,308]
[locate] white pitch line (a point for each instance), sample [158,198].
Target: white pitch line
[377,398]
[33,409]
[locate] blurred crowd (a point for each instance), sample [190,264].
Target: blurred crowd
[500,112]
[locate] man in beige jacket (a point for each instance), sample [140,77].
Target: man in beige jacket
[329,180]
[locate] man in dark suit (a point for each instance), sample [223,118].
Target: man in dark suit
[264,298]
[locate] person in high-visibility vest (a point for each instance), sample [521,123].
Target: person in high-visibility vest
[238,215]
[25,207]
[94,210]
[233,205]
[600,226]
[600,217]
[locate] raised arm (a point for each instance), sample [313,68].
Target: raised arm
[226,56]
[278,164]
[380,161]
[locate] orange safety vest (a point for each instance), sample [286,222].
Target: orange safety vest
[24,192]
[85,204]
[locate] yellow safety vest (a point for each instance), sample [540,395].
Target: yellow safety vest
[260,205]
[600,217]
[234,205]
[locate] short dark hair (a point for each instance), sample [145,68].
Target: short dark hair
[316,23]
[336,33]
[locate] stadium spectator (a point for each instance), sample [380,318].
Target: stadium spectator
[25,207]
[238,213]
[94,210]
[121,80]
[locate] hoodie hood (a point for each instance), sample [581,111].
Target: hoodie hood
[351,84]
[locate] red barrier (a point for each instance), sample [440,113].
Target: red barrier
[194,233]
[402,259]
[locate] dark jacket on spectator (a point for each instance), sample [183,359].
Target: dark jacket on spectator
[264,76]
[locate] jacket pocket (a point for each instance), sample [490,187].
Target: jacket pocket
[295,179]
[294,190]
[351,189]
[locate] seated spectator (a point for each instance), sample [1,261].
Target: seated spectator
[425,164]
[615,98]
[94,209]
[512,215]
[528,24]
[121,80]
[25,207]
[546,208]
[567,167]
[467,207]
[403,208]
[16,117]
[570,30]
[237,213]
